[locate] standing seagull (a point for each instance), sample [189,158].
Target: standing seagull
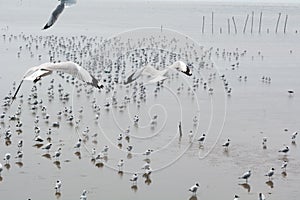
[284,165]
[270,173]
[1,168]
[83,196]
[261,196]
[284,150]
[57,186]
[134,179]
[194,188]
[158,75]
[58,10]
[246,175]
[36,73]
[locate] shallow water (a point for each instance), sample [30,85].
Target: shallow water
[253,111]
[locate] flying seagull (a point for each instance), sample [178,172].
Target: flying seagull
[157,75]
[36,73]
[58,10]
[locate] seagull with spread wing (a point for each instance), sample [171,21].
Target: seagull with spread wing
[157,75]
[36,73]
[58,10]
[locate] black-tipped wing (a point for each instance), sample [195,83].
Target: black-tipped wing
[135,75]
[55,14]
[74,70]
[16,92]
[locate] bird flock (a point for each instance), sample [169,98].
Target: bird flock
[118,65]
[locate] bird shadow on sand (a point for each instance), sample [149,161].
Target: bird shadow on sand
[246,186]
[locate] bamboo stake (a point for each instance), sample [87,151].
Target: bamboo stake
[235,29]
[246,21]
[276,29]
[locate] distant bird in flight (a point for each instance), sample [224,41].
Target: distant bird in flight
[58,10]
[157,75]
[36,73]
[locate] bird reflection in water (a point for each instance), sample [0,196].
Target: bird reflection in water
[194,197]
[57,164]
[78,154]
[246,186]
[134,188]
[57,195]
[7,166]
[47,155]
[283,174]
[270,184]
[20,164]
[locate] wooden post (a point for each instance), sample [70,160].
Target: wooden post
[276,29]
[228,22]
[260,21]
[203,19]
[246,21]
[235,29]
[252,20]
[285,24]
[180,129]
[212,23]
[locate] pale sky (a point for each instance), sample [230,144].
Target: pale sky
[240,1]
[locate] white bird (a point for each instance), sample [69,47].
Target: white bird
[78,144]
[134,178]
[120,164]
[58,10]
[261,196]
[270,173]
[226,144]
[194,188]
[246,175]
[202,138]
[57,186]
[36,73]
[294,135]
[284,149]
[1,168]
[7,157]
[83,195]
[284,165]
[157,75]
[236,197]
[19,155]
[47,147]
[57,153]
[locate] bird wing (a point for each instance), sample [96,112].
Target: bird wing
[37,73]
[135,75]
[55,14]
[156,79]
[150,71]
[75,70]
[69,2]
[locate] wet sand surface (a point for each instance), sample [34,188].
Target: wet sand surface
[255,108]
